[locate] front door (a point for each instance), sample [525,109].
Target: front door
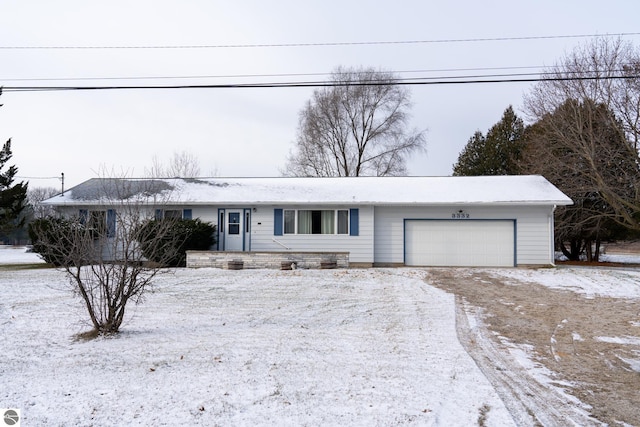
[235,230]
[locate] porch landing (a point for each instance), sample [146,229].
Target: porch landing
[272,260]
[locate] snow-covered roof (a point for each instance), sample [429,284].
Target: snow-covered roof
[493,190]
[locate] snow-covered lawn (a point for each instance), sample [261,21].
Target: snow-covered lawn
[256,347]
[616,282]
[18,255]
[215,347]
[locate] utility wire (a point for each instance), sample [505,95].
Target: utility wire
[450,81]
[243,76]
[323,44]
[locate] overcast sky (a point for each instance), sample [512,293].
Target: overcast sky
[248,132]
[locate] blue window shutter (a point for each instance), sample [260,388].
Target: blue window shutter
[354,226]
[277,222]
[158,214]
[83,215]
[111,223]
[187,214]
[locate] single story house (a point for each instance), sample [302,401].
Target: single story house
[378,221]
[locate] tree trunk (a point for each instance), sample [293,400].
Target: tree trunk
[588,246]
[596,253]
[573,252]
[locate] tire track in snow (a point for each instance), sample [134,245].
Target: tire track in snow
[529,402]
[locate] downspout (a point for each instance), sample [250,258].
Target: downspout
[553,237]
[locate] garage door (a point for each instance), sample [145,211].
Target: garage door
[467,243]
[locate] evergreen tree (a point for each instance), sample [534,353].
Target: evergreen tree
[12,197]
[471,159]
[496,154]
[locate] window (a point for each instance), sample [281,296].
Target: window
[234,223]
[101,223]
[343,222]
[172,214]
[289,222]
[98,222]
[316,221]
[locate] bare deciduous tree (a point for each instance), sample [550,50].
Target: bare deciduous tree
[594,84]
[582,149]
[35,197]
[180,165]
[99,249]
[355,127]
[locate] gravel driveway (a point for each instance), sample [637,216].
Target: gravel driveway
[564,332]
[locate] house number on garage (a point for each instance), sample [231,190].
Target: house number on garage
[460,215]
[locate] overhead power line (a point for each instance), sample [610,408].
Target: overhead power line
[449,81]
[324,44]
[243,76]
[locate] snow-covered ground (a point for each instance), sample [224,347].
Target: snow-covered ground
[256,347]
[18,255]
[616,282]
[216,347]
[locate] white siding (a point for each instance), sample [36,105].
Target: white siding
[534,231]
[535,235]
[389,232]
[534,245]
[205,213]
[262,231]
[360,247]
[263,239]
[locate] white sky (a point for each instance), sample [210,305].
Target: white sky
[248,132]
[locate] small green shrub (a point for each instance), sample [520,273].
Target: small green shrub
[51,239]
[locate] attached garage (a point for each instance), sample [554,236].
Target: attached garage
[460,243]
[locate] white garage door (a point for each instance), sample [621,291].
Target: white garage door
[467,243]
